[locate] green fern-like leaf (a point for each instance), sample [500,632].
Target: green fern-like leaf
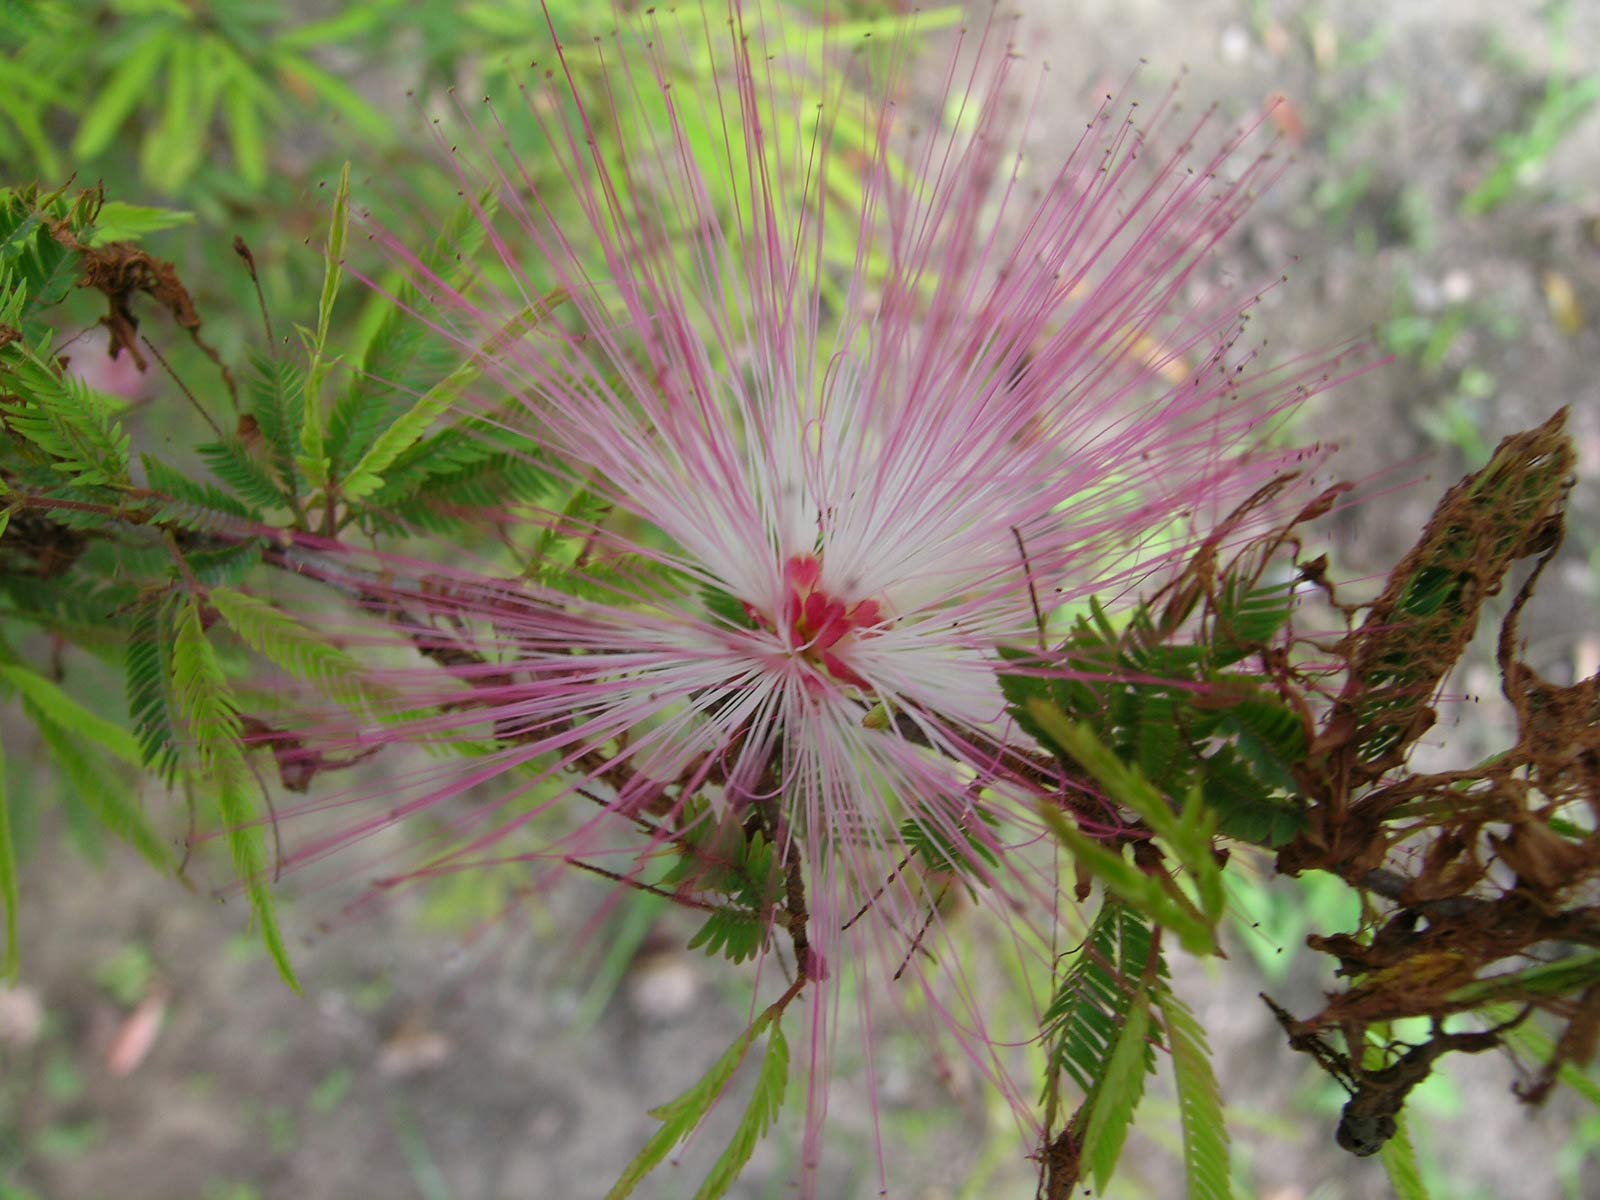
[404,358]
[36,271]
[189,504]
[1247,618]
[274,390]
[225,566]
[1092,1003]
[765,1104]
[445,502]
[147,669]
[1272,739]
[938,850]
[1118,1092]
[294,647]
[458,448]
[64,419]
[680,1117]
[736,936]
[366,476]
[1205,1130]
[311,456]
[1188,833]
[206,703]
[251,482]
[1246,810]
[49,699]
[409,427]
[1399,1159]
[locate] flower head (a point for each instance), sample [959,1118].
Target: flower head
[833,408]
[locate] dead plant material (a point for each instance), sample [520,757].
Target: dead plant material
[1479,886]
[121,270]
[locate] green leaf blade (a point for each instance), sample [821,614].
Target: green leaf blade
[207,704]
[1205,1130]
[765,1104]
[1118,1093]
[681,1116]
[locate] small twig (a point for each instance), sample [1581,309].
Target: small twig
[182,386]
[640,886]
[243,251]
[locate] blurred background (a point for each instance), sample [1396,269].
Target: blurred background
[1441,202]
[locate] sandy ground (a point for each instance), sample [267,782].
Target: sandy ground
[450,1067]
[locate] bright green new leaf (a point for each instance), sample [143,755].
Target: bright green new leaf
[1188,833]
[680,1117]
[366,476]
[1143,893]
[119,222]
[313,460]
[1400,1161]
[1118,1094]
[203,697]
[293,646]
[762,1111]
[1205,1129]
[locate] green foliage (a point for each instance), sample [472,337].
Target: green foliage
[191,505]
[766,1101]
[734,935]
[73,735]
[933,846]
[1098,1030]
[679,1118]
[719,859]
[1205,1130]
[1399,1160]
[1179,711]
[1084,1020]
[174,74]
[211,718]
[53,703]
[65,422]
[37,270]
[1192,915]
[1117,1092]
[408,428]
[274,388]
[366,476]
[148,670]
[312,458]
[403,358]
[293,647]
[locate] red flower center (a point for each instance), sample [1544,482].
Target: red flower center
[818,625]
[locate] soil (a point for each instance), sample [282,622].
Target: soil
[429,1064]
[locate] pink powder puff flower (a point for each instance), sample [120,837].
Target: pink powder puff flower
[827,485]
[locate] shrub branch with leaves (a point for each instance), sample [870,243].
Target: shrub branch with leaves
[1163,738]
